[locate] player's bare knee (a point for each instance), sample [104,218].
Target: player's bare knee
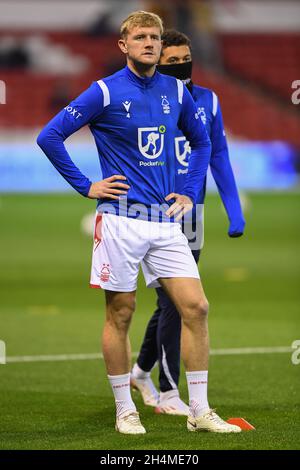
[204,308]
[122,314]
[196,311]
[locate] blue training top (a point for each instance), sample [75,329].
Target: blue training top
[134,122]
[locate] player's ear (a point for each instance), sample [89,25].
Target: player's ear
[122,45]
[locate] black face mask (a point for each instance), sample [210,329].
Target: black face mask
[181,71]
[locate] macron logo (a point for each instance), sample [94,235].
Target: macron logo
[127,105]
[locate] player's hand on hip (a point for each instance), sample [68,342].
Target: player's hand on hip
[181,206]
[109,188]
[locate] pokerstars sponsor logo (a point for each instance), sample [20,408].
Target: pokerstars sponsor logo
[141,163]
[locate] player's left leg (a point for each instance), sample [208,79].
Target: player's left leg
[193,308]
[170,262]
[169,355]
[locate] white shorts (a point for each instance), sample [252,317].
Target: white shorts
[121,244]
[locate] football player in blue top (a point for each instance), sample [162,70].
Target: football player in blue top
[134,116]
[159,345]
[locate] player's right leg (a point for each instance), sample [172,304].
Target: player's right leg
[117,252]
[117,356]
[141,372]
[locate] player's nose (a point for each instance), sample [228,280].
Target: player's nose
[148,42]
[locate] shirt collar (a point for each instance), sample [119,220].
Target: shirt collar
[143,82]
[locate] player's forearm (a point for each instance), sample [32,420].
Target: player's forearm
[195,132]
[223,175]
[52,145]
[198,164]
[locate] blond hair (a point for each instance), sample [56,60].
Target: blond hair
[140,18]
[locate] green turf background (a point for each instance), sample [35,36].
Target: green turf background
[46,307]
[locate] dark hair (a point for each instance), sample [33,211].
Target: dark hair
[171,37]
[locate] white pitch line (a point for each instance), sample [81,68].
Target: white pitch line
[54,358]
[93,356]
[259,350]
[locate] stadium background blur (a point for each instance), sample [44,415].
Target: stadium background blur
[248,52]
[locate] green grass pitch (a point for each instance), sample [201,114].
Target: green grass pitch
[46,307]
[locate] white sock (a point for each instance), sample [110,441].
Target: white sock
[197,386]
[120,385]
[139,373]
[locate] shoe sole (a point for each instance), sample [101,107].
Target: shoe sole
[161,411]
[193,428]
[122,432]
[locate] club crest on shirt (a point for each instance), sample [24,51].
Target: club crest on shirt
[151,141]
[182,150]
[165,104]
[201,112]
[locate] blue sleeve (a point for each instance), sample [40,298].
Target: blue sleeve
[223,175]
[84,109]
[195,132]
